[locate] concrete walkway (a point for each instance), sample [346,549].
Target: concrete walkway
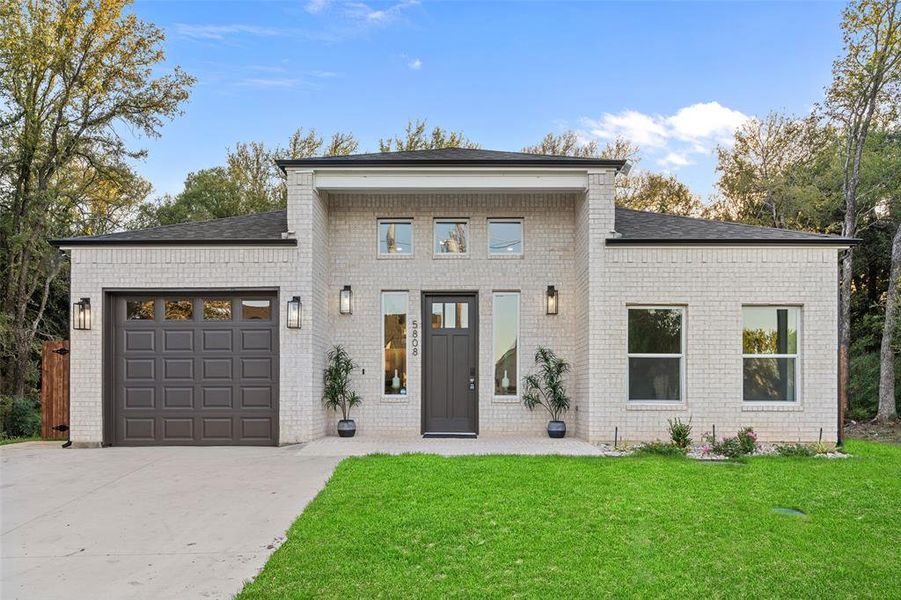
[360,446]
[174,522]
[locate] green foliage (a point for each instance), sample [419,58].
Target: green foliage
[19,417]
[795,450]
[417,137]
[680,432]
[729,447]
[425,526]
[659,449]
[747,439]
[336,382]
[546,387]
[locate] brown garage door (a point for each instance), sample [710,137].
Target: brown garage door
[195,370]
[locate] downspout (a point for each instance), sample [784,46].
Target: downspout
[841,392]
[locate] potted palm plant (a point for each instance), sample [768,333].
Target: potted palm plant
[545,388]
[336,389]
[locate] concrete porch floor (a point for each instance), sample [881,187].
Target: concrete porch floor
[362,445]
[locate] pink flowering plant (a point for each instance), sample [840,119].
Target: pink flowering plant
[748,440]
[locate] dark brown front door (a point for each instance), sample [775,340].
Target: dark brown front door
[450,353]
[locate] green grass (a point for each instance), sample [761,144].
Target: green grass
[502,526]
[16,440]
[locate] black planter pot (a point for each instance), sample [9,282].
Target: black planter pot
[556,429]
[347,428]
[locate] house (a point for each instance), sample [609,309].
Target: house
[441,272]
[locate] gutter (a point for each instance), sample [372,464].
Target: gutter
[73,242]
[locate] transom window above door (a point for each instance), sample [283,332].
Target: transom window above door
[395,237]
[505,237]
[451,236]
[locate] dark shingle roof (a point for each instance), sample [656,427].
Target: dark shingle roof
[634,227]
[637,227]
[449,157]
[257,229]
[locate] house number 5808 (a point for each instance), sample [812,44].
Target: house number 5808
[414,337]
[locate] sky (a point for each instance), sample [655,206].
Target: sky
[675,78]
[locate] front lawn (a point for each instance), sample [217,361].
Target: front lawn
[502,526]
[15,440]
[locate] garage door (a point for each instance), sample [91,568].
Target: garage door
[195,370]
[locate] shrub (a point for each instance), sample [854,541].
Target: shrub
[794,450]
[748,440]
[20,417]
[679,432]
[336,392]
[658,449]
[728,447]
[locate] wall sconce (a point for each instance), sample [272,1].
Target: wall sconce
[346,301]
[295,312]
[551,300]
[81,314]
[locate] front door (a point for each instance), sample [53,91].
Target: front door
[450,353]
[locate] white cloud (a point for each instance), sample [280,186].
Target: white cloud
[363,12]
[674,159]
[415,64]
[314,7]
[641,129]
[275,82]
[705,121]
[220,32]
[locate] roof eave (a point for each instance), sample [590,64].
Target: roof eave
[313,163]
[837,242]
[66,243]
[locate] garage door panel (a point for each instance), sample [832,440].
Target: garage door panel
[178,368]
[217,340]
[256,339]
[178,340]
[256,368]
[217,368]
[139,397]
[137,341]
[178,429]
[178,397]
[140,368]
[217,397]
[206,377]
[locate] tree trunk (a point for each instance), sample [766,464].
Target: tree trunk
[887,408]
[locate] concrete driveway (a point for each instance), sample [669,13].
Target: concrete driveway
[146,522]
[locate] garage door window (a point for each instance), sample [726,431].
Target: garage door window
[217,310]
[179,310]
[256,310]
[139,310]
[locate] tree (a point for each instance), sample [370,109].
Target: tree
[570,143]
[764,174]
[864,90]
[73,74]
[661,193]
[417,137]
[208,194]
[887,404]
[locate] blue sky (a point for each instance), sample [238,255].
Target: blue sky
[674,77]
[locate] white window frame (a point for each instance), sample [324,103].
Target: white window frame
[796,356]
[378,237]
[406,295]
[507,397]
[680,356]
[522,237]
[451,255]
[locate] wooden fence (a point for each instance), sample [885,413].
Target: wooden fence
[55,391]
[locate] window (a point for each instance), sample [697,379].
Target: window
[450,315]
[395,237]
[505,237]
[506,343]
[254,310]
[394,336]
[656,349]
[770,353]
[139,310]
[451,237]
[217,310]
[179,310]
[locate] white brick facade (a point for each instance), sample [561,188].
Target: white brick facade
[565,237]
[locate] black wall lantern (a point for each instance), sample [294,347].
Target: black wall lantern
[346,301]
[295,313]
[81,314]
[551,300]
